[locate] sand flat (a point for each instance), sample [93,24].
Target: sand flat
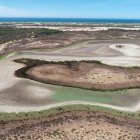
[8,80]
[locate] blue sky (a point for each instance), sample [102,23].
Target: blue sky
[71,8]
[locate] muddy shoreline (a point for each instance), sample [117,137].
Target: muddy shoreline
[117,78]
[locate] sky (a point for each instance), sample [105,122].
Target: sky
[129,9]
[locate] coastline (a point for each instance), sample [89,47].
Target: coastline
[70,20]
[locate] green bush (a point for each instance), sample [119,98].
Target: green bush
[11,33]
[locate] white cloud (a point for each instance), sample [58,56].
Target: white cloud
[11,12]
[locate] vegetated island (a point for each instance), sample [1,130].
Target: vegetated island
[91,75]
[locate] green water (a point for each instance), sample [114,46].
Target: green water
[6,56]
[122,98]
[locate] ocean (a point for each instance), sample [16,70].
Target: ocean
[73,20]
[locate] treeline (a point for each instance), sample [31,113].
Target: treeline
[37,62]
[12,33]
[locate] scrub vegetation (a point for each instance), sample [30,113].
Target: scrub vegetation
[12,33]
[69,108]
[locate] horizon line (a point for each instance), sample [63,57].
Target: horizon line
[77,18]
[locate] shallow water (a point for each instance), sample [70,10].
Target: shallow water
[18,94]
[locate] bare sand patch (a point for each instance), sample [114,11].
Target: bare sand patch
[127,49]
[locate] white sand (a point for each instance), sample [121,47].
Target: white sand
[39,92]
[32,90]
[70,28]
[128,49]
[10,109]
[65,28]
